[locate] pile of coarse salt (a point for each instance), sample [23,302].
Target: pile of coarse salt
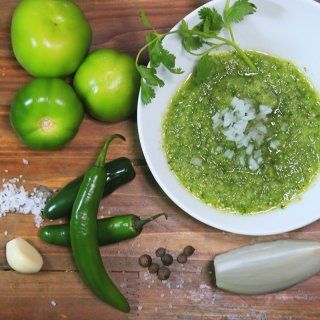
[245,127]
[15,199]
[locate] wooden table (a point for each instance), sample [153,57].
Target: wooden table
[189,294]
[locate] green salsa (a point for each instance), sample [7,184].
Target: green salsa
[244,142]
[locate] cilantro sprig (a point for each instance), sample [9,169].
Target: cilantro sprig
[199,40]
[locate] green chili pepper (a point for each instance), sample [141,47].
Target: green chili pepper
[84,230]
[117,172]
[110,230]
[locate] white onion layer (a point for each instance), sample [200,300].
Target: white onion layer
[267,267]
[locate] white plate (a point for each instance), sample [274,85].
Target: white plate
[283,28]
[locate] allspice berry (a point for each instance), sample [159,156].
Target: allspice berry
[167,259]
[145,261]
[182,258]
[160,252]
[153,268]
[188,251]
[163,273]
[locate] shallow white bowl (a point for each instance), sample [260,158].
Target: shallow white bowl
[283,28]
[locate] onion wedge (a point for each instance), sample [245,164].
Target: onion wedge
[267,267]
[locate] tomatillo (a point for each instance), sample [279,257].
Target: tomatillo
[46,113]
[108,83]
[50,38]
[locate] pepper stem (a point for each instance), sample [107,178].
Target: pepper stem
[139,223]
[102,155]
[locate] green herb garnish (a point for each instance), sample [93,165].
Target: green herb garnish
[205,35]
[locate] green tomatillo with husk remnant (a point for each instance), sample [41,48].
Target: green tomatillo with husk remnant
[46,113]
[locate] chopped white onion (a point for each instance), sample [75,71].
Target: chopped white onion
[253,164]
[236,125]
[196,161]
[229,154]
[249,149]
[274,144]
[242,160]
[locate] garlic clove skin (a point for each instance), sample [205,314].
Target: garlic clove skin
[23,257]
[267,267]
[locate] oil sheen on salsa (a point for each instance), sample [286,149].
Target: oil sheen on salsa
[278,153]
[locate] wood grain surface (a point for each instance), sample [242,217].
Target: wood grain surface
[189,294]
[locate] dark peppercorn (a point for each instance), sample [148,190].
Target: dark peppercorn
[160,252]
[167,259]
[145,261]
[188,251]
[153,268]
[182,258]
[163,273]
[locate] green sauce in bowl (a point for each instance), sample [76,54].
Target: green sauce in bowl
[244,142]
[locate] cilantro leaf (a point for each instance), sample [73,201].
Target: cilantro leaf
[150,76]
[239,10]
[154,52]
[166,58]
[192,43]
[158,54]
[154,61]
[147,93]
[189,42]
[202,35]
[145,20]
[183,29]
[212,21]
[203,68]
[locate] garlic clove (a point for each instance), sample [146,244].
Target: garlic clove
[23,257]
